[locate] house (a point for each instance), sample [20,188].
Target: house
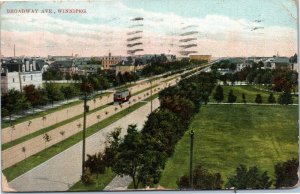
[130,65]
[17,73]
[278,63]
[65,66]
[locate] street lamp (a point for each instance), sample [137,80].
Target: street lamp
[191,157]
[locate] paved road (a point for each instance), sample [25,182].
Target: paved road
[63,170]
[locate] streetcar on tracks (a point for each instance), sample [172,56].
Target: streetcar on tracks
[122,96]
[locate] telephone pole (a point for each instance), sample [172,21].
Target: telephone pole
[85,110]
[85,107]
[151,94]
[191,157]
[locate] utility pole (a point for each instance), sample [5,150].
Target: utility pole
[191,158]
[85,110]
[151,94]
[83,131]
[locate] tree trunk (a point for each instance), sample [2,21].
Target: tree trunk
[134,183]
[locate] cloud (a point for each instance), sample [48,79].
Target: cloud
[105,29]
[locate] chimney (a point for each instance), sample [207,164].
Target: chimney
[34,65]
[27,65]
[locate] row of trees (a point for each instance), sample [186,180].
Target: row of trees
[158,66]
[142,154]
[284,98]
[15,101]
[244,178]
[278,80]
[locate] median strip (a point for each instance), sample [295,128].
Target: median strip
[36,159]
[47,129]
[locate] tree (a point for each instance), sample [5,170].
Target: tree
[68,76]
[244,98]
[32,95]
[252,178]
[96,163]
[62,133]
[219,96]
[111,148]
[202,179]
[286,173]
[12,102]
[47,138]
[54,93]
[24,151]
[104,83]
[183,107]
[258,99]
[69,91]
[271,98]
[231,97]
[52,74]
[232,78]
[86,87]
[129,158]
[285,98]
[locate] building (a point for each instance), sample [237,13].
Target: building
[15,74]
[109,60]
[65,66]
[278,63]
[295,67]
[129,65]
[200,57]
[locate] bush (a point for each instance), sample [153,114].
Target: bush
[231,97]
[87,178]
[271,99]
[219,96]
[286,173]
[258,99]
[252,178]
[202,179]
[285,98]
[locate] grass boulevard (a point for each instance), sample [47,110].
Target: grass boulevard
[36,159]
[251,135]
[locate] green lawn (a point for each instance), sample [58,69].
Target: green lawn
[228,135]
[99,183]
[36,159]
[250,93]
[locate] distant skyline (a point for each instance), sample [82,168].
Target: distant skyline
[225,27]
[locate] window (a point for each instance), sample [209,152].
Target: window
[24,78]
[31,77]
[13,80]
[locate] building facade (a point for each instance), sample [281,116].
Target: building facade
[16,74]
[200,57]
[109,60]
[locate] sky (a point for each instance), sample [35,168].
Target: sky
[222,27]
